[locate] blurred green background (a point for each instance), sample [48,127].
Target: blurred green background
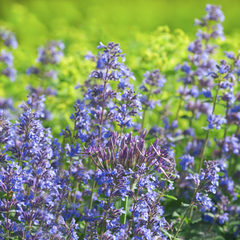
[153,33]
[105,20]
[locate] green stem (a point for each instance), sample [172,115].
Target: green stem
[126,210]
[179,107]
[182,220]
[226,126]
[145,109]
[8,233]
[208,131]
[75,193]
[134,201]
[92,192]
[90,205]
[203,150]
[205,144]
[191,208]
[23,145]
[103,103]
[185,214]
[192,115]
[102,112]
[237,130]
[105,217]
[143,117]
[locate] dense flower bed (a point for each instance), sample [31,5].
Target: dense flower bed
[112,174]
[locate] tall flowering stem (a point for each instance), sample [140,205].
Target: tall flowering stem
[9,41]
[151,87]
[208,131]
[195,71]
[109,107]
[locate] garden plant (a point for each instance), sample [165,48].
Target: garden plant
[149,155]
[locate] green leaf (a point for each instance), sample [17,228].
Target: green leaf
[221,174]
[170,197]
[196,218]
[219,238]
[178,138]
[175,214]
[185,204]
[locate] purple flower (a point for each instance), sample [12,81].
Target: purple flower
[7,58]
[52,53]
[215,121]
[186,161]
[8,38]
[205,201]
[10,73]
[214,13]
[207,93]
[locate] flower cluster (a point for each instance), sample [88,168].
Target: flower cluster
[31,204]
[104,108]
[6,57]
[151,86]
[197,78]
[48,56]
[128,170]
